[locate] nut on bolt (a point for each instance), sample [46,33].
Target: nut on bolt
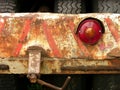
[32,78]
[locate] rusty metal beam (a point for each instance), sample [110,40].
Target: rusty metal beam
[63,66]
[56,34]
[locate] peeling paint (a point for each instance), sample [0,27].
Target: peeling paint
[58,39]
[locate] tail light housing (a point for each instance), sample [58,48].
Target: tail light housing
[90,30]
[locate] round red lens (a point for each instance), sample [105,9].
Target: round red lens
[90,30]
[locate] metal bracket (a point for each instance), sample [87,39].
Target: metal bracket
[34,60]
[34,63]
[34,69]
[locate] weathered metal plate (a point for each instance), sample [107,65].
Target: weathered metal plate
[55,33]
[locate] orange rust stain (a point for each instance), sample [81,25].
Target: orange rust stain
[8,41]
[35,30]
[113,29]
[58,35]
[94,50]
[25,30]
[65,51]
[7,45]
[59,30]
[115,62]
[2,23]
[48,53]
[61,34]
[37,35]
[51,40]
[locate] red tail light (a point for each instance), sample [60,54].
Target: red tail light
[90,30]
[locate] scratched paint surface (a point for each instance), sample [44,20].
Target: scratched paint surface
[55,33]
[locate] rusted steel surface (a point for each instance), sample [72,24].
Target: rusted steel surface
[63,66]
[16,66]
[115,53]
[55,33]
[81,66]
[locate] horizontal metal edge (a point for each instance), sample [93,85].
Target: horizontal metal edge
[63,66]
